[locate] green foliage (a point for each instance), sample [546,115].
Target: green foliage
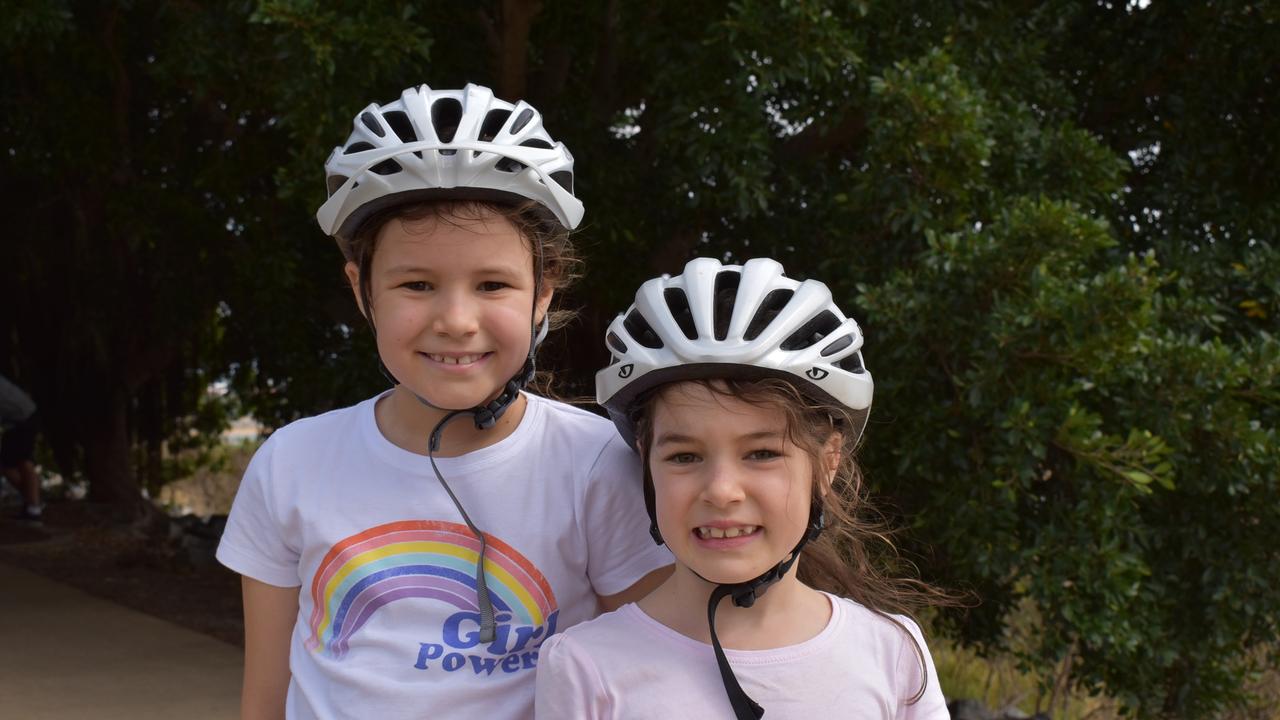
[1055,221]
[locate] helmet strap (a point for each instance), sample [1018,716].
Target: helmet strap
[488,628]
[485,417]
[650,504]
[744,595]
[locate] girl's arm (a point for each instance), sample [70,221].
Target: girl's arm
[642,587]
[269,615]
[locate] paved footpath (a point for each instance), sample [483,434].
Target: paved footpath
[66,654]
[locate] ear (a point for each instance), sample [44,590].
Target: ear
[832,452]
[353,279]
[544,302]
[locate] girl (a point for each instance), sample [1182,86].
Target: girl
[745,393]
[373,586]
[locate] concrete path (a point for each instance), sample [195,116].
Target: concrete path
[65,654]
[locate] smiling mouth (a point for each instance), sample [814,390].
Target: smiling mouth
[711,533]
[456,359]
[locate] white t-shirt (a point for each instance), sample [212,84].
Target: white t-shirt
[388,625]
[625,664]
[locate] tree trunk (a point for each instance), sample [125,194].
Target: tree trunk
[107,461]
[150,427]
[517,20]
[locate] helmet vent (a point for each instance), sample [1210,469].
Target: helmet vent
[564,179]
[386,167]
[811,332]
[509,165]
[335,181]
[492,124]
[401,126]
[616,343]
[726,295]
[521,120]
[640,329]
[356,147]
[446,113]
[372,123]
[852,364]
[837,346]
[768,310]
[678,304]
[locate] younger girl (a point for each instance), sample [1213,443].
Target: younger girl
[406,557]
[745,393]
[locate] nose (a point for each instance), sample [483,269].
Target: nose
[456,315]
[723,486]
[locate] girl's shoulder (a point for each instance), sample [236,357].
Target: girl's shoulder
[889,628]
[611,639]
[322,428]
[567,411]
[559,417]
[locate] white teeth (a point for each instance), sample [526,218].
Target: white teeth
[462,360]
[733,532]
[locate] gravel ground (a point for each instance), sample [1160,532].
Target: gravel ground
[75,547]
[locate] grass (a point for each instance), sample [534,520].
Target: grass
[998,684]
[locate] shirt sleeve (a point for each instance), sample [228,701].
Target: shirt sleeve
[932,705]
[254,543]
[620,550]
[568,685]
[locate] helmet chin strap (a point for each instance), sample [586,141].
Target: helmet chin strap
[744,595]
[485,417]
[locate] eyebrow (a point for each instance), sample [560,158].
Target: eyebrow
[491,270]
[672,438]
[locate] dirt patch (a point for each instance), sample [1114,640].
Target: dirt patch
[209,490]
[76,547]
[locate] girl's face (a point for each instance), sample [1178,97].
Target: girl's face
[732,490]
[452,302]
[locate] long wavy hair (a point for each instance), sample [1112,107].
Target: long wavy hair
[855,555]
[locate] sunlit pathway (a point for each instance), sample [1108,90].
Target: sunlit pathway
[66,654]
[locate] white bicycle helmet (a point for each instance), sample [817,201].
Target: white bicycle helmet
[463,144]
[733,321]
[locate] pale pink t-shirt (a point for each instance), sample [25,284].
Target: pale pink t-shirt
[627,665]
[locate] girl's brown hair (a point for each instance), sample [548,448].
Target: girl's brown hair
[855,555]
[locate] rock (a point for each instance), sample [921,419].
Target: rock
[968,709]
[196,538]
[199,551]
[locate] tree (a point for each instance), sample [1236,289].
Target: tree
[1055,221]
[1068,419]
[137,152]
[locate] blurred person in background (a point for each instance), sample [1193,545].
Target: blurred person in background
[17,446]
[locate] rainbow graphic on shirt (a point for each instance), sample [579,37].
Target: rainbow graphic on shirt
[417,559]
